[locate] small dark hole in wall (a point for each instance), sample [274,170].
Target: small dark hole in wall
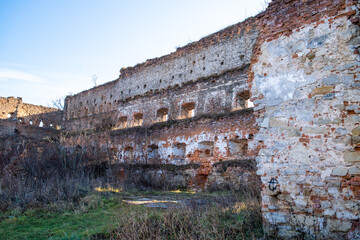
[94,100]
[122,92]
[191,71]
[180,75]
[203,58]
[111,96]
[144,85]
[16,131]
[194,62]
[172,77]
[129,91]
[222,63]
[203,68]
[160,81]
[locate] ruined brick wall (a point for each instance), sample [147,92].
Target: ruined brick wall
[227,50]
[305,86]
[18,141]
[203,140]
[299,61]
[25,127]
[24,113]
[213,95]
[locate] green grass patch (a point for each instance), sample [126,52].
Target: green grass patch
[76,224]
[215,215]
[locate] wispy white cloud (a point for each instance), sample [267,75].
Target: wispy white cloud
[8,74]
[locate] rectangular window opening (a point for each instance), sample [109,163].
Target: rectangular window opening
[188,110]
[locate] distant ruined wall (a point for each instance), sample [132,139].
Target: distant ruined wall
[217,94]
[24,113]
[228,50]
[26,129]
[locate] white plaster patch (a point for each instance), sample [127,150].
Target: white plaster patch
[281,87]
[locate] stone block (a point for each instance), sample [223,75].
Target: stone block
[300,154]
[355,170]
[325,121]
[347,79]
[285,197]
[331,80]
[317,42]
[356,131]
[329,212]
[346,140]
[337,225]
[352,206]
[355,140]
[329,96]
[276,217]
[301,201]
[352,156]
[314,130]
[265,123]
[311,56]
[275,122]
[340,171]
[322,90]
[292,132]
[356,85]
[342,131]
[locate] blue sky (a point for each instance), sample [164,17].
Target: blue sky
[50,48]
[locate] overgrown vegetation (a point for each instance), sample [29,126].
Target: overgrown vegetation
[218,215]
[47,194]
